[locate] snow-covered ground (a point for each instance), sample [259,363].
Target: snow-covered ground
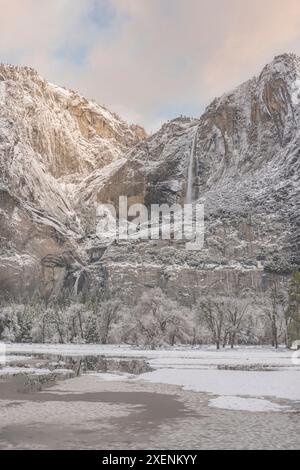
[185,357]
[245,404]
[280,383]
[242,378]
[31,370]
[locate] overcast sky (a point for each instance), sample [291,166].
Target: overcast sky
[148,60]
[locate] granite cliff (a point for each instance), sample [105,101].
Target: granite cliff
[61,155]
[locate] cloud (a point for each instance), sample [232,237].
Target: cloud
[257,32]
[148,59]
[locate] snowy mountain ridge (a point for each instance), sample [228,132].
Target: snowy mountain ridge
[62,154]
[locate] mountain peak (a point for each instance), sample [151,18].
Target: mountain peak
[286,66]
[11,72]
[286,56]
[61,154]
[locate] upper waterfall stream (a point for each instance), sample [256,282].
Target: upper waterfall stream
[189,190]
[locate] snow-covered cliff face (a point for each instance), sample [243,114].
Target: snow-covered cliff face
[245,171]
[50,139]
[60,154]
[246,135]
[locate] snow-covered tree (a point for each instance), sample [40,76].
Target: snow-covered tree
[212,312]
[156,320]
[224,317]
[274,304]
[293,310]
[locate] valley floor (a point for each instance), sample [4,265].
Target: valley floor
[193,399]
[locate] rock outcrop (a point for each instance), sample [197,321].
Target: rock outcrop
[61,155]
[50,140]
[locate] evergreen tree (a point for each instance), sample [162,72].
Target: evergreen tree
[294,307]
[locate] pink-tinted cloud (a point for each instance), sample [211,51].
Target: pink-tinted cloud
[153,58]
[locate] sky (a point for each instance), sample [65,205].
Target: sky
[148,60]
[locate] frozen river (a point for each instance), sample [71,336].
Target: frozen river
[193,398]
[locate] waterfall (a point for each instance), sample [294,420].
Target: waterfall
[78,276]
[189,190]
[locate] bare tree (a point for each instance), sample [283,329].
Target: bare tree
[235,311]
[274,305]
[108,315]
[223,316]
[157,320]
[213,313]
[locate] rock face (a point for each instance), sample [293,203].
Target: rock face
[60,155]
[50,139]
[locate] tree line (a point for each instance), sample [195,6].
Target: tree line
[155,320]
